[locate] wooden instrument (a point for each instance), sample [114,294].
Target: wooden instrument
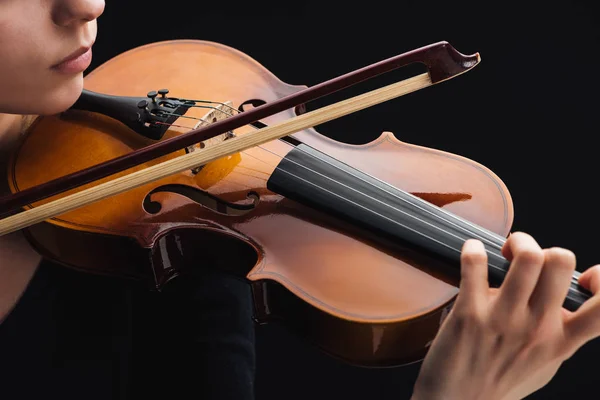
[357,248]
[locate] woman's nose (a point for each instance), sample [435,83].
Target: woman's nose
[69,12]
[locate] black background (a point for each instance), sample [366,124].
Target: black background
[527,112]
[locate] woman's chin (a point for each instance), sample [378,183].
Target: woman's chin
[62,98]
[49,100]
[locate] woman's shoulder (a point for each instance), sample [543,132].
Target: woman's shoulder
[18,263]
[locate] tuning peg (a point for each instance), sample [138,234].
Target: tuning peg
[143,104]
[152,95]
[163,92]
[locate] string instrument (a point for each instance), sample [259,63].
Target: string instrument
[355,247]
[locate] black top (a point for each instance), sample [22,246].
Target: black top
[80,336]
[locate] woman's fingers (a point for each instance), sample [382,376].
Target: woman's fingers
[493,339]
[522,277]
[537,282]
[474,274]
[590,279]
[554,281]
[584,324]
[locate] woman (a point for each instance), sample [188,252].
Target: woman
[65,335]
[69,335]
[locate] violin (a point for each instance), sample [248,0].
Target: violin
[208,160]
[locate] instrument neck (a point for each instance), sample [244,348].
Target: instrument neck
[322,182]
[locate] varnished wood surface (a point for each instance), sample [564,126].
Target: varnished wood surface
[389,299]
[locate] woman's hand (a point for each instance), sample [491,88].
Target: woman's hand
[509,342]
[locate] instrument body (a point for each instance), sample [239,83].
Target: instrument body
[358,299]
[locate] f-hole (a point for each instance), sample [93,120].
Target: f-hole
[253,103]
[203,198]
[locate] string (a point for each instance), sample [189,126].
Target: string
[490,235]
[497,245]
[383,203]
[164,123]
[163,113]
[181,115]
[492,239]
[402,199]
[573,278]
[383,216]
[210,102]
[484,235]
[487,235]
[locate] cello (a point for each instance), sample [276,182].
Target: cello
[209,160]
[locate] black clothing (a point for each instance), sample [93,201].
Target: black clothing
[84,337]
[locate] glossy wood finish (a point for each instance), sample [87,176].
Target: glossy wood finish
[441,59]
[368,304]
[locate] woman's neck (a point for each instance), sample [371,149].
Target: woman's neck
[9,124]
[11,127]
[18,260]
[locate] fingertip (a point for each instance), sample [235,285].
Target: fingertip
[506,247]
[506,252]
[474,271]
[473,255]
[473,245]
[560,257]
[590,278]
[524,244]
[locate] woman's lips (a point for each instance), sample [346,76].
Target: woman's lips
[76,62]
